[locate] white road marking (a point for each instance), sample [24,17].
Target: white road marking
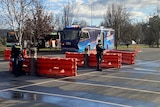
[90,84]
[59,80]
[147,62]
[74,97]
[127,78]
[142,69]
[139,71]
[116,87]
[42,82]
[4,63]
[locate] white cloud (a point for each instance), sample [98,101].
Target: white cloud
[140,9]
[79,1]
[135,14]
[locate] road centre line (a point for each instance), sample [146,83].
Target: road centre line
[73,97]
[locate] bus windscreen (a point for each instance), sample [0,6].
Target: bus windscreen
[11,38]
[70,34]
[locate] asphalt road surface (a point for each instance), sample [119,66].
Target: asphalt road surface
[135,85]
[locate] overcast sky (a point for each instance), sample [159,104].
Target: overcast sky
[140,10]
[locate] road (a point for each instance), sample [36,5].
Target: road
[135,85]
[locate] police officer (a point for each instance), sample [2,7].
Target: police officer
[17,58]
[99,50]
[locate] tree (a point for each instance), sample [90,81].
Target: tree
[117,18]
[126,33]
[137,34]
[38,24]
[68,14]
[15,13]
[148,39]
[154,24]
[80,23]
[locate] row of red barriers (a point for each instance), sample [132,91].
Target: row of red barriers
[56,66]
[7,54]
[68,66]
[50,67]
[110,60]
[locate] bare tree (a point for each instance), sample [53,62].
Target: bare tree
[68,14]
[127,30]
[57,23]
[116,17]
[37,25]
[137,34]
[15,12]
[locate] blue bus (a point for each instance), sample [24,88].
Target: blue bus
[76,39]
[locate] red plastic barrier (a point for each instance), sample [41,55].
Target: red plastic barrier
[128,57]
[110,60]
[113,60]
[51,67]
[78,56]
[7,54]
[26,67]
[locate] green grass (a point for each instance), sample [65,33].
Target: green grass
[48,49]
[2,50]
[120,47]
[131,47]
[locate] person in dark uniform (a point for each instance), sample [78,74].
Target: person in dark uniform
[17,59]
[99,50]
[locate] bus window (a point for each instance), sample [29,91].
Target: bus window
[84,35]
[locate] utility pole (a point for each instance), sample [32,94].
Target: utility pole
[91,14]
